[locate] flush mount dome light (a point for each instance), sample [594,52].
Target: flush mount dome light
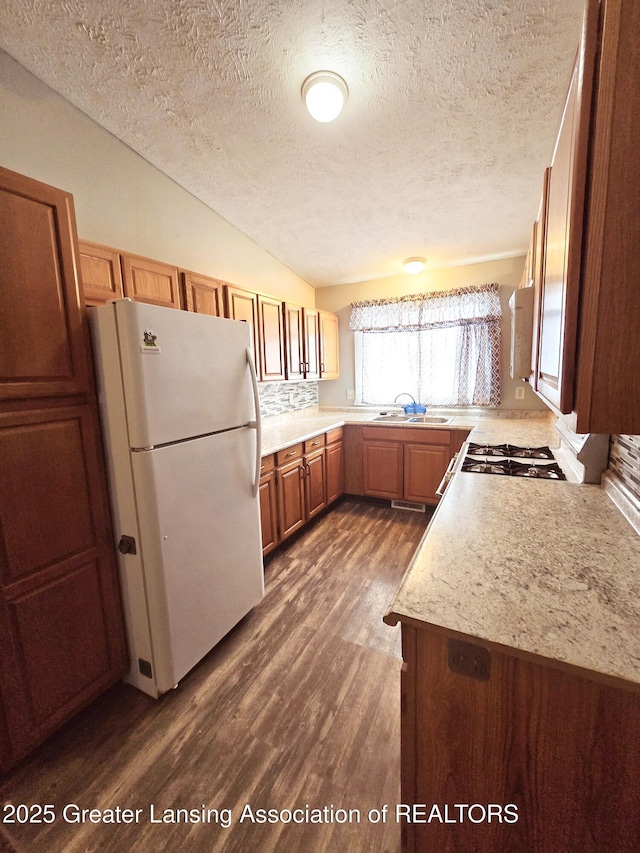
[324,94]
[414,265]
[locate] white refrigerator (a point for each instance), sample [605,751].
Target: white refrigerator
[181,425]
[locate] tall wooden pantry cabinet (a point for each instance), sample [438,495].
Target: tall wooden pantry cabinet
[61,632]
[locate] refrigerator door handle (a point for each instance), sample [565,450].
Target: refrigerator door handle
[257,424]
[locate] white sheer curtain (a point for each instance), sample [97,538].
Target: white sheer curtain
[443,348]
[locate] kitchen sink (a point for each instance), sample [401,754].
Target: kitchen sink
[393,418]
[412,419]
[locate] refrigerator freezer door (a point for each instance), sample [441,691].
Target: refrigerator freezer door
[201,549]
[184,374]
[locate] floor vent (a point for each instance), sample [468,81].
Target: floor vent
[408,505]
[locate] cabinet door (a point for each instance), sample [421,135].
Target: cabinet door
[268,512]
[424,468]
[558,308]
[329,358]
[311,344]
[315,486]
[334,460]
[61,633]
[271,338]
[294,341]
[291,498]
[100,272]
[202,295]
[146,280]
[243,305]
[382,469]
[43,343]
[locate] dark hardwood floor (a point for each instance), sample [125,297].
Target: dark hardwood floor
[298,706]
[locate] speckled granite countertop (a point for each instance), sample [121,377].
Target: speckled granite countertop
[543,567]
[283,431]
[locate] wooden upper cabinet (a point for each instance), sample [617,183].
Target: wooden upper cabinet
[588,358]
[293,340]
[271,338]
[43,349]
[608,374]
[146,280]
[311,343]
[202,295]
[243,305]
[329,346]
[561,273]
[100,272]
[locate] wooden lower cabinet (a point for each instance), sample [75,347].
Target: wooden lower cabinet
[307,477]
[268,505]
[334,464]
[529,756]
[424,467]
[382,463]
[61,632]
[406,464]
[291,495]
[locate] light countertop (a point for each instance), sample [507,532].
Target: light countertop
[542,567]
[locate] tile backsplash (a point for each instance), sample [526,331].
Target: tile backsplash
[624,459]
[278,398]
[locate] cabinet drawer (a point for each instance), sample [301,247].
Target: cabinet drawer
[288,454]
[334,435]
[314,443]
[267,464]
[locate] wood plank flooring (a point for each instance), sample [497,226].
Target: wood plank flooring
[298,706]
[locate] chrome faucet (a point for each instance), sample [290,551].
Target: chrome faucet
[404,394]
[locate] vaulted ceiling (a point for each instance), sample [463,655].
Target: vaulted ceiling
[451,118]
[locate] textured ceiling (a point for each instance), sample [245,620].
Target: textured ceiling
[451,117]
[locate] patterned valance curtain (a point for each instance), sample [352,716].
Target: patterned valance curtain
[444,348]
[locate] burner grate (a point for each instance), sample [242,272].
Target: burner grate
[510,450]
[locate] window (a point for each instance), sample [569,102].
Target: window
[443,348]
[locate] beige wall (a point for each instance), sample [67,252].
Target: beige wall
[120,199]
[506,272]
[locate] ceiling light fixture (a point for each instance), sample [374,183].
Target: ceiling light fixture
[414,265]
[324,94]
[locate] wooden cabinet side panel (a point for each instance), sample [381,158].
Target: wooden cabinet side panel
[44,343]
[573,776]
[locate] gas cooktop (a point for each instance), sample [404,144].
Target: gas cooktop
[504,459]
